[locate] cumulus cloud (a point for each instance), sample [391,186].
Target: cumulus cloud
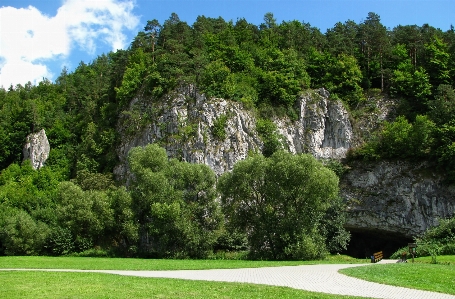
[29,38]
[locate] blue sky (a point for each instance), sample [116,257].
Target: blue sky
[39,37]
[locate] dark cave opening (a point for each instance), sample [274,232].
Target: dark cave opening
[366,242]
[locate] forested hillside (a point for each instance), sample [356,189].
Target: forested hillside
[74,204]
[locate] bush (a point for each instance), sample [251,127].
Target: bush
[268,132]
[59,242]
[20,234]
[94,252]
[219,127]
[438,240]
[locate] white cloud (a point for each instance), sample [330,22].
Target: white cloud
[28,38]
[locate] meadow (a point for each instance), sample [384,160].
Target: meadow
[33,284]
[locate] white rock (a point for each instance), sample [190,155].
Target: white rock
[37,149]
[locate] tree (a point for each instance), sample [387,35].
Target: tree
[20,234]
[125,231]
[86,214]
[341,75]
[341,39]
[442,108]
[374,49]
[268,132]
[153,28]
[438,62]
[281,76]
[174,203]
[280,203]
[268,29]
[412,83]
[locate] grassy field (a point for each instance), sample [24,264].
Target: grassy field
[86,263]
[29,284]
[420,275]
[49,285]
[23,284]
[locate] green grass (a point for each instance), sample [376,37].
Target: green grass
[87,263]
[49,285]
[419,275]
[443,259]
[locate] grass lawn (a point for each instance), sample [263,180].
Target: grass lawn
[23,284]
[87,263]
[419,275]
[49,285]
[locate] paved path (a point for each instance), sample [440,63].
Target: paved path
[316,278]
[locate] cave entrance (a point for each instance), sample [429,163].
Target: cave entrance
[366,242]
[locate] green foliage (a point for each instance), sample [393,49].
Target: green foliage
[231,240]
[336,166]
[20,234]
[332,227]
[340,75]
[411,82]
[59,242]
[214,79]
[438,61]
[442,108]
[401,139]
[133,76]
[442,235]
[27,189]
[219,127]
[279,202]
[125,229]
[267,130]
[86,214]
[93,181]
[174,203]
[445,150]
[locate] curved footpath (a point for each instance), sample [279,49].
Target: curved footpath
[316,278]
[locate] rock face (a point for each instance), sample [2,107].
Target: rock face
[185,125]
[396,197]
[184,128]
[37,149]
[323,128]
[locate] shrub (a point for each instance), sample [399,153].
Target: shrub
[59,242]
[267,130]
[20,234]
[219,127]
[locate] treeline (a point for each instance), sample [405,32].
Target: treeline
[281,207]
[263,66]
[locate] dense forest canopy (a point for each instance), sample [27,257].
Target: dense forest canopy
[263,66]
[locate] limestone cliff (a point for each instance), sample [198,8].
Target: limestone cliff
[323,128]
[184,125]
[398,197]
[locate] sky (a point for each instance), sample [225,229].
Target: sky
[38,38]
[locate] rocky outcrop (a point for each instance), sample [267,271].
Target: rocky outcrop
[185,130]
[392,198]
[184,125]
[399,197]
[37,149]
[323,128]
